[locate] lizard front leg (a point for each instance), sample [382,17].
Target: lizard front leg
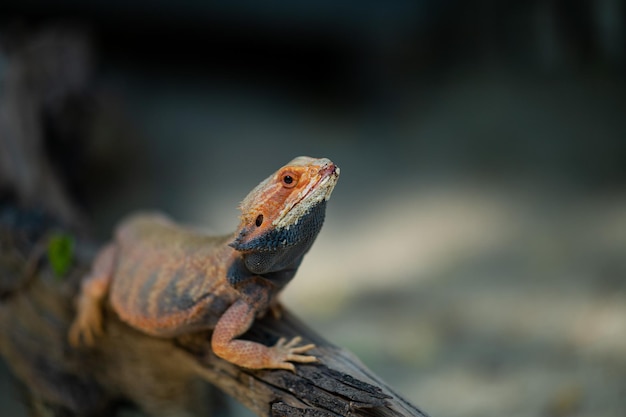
[234,322]
[87,324]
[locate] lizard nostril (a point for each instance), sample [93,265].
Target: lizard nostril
[330,169]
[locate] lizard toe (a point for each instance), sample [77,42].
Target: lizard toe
[73,336]
[288,366]
[293,342]
[301,358]
[302,349]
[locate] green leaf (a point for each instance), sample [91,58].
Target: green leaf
[60,253]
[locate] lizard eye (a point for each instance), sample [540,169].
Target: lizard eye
[259,220]
[289,180]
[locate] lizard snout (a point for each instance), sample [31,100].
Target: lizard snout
[329,169]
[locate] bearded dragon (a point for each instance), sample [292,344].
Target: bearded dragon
[167,280]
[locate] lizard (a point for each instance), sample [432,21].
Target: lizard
[168,280]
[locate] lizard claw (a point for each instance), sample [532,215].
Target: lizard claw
[285,352]
[87,325]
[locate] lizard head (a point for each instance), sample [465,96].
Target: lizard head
[282,216]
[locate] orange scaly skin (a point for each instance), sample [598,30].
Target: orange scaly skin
[166,280]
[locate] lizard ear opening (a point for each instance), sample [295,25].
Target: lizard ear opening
[249,235]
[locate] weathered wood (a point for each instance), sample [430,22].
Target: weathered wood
[160,376]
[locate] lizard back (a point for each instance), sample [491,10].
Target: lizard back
[169,280]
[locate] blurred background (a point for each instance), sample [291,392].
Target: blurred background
[474,248]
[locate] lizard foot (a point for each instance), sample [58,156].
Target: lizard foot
[87,325]
[283,353]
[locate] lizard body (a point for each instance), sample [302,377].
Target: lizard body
[167,280]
